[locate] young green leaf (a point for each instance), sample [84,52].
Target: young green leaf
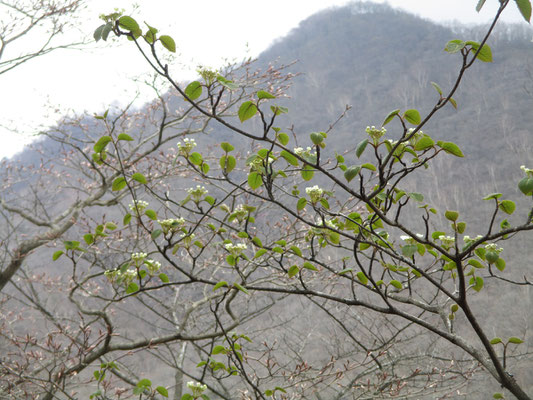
[437,87]
[247,110]
[389,117]
[254,180]
[57,254]
[507,206]
[139,178]
[128,23]
[162,391]
[101,144]
[241,288]
[193,90]
[525,8]
[352,172]
[361,148]
[450,148]
[168,43]
[412,116]
[118,184]
[265,95]
[293,271]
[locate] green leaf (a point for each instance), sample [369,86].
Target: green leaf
[259,253]
[218,349]
[453,102]
[416,196]
[254,180]
[277,110]
[283,138]
[500,264]
[193,90]
[164,278]
[101,144]
[485,54]
[57,254]
[132,288]
[126,137]
[247,110]
[451,215]
[296,250]
[525,8]
[492,196]
[227,163]
[316,138]
[307,173]
[361,148]
[507,206]
[480,4]
[450,148]
[461,226]
[425,142]
[168,43]
[265,95]
[241,288]
[227,83]
[156,233]
[293,271]
[128,23]
[302,202]
[515,340]
[409,250]
[289,158]
[496,395]
[107,30]
[369,166]
[139,178]
[89,239]
[475,263]
[352,172]
[162,391]
[118,184]
[209,200]
[398,285]
[496,340]
[308,265]
[187,396]
[257,241]
[362,278]
[97,35]
[227,147]
[195,158]
[219,285]
[437,87]
[526,185]
[412,116]
[478,284]
[389,117]
[127,219]
[453,46]
[151,214]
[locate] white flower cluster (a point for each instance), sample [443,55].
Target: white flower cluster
[528,171]
[320,231]
[468,240]
[493,247]
[138,206]
[187,240]
[235,249]
[138,256]
[187,146]
[152,266]
[197,193]
[415,137]
[171,225]
[258,164]
[196,388]
[299,151]
[126,277]
[447,241]
[410,240]
[314,193]
[240,213]
[375,133]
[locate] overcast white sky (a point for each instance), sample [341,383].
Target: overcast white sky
[206,32]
